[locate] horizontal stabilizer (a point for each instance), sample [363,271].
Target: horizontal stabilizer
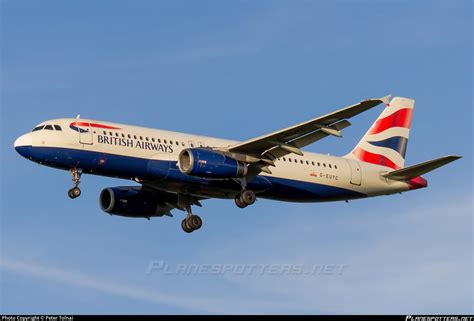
[413,171]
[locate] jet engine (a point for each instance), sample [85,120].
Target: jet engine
[131,201]
[207,163]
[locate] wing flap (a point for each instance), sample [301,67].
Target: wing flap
[306,140]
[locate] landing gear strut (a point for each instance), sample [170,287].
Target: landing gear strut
[192,222]
[76,179]
[245,199]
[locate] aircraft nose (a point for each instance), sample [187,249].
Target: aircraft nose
[23,140]
[23,144]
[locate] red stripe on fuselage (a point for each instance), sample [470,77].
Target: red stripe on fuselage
[80,123]
[372,158]
[400,118]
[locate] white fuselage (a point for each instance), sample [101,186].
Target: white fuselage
[124,151]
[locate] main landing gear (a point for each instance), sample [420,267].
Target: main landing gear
[192,222]
[76,179]
[245,199]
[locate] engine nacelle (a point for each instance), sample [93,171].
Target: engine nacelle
[206,163]
[131,202]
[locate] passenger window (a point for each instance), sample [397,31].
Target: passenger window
[159,140]
[48,127]
[57,127]
[129,136]
[105,133]
[301,161]
[312,163]
[146,138]
[177,143]
[117,134]
[319,164]
[289,159]
[164,141]
[284,159]
[141,137]
[307,162]
[335,166]
[324,164]
[38,128]
[123,135]
[182,144]
[134,136]
[330,166]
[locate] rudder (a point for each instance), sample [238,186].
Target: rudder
[386,141]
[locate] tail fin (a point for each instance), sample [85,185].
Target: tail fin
[385,143]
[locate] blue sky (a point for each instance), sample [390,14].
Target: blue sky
[237,69]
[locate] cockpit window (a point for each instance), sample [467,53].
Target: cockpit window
[57,127]
[38,128]
[48,127]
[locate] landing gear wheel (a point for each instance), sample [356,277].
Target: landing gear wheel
[239,203]
[194,222]
[185,227]
[74,192]
[248,197]
[191,223]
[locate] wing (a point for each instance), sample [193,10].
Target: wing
[179,201]
[266,148]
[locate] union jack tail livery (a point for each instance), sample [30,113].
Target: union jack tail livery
[385,143]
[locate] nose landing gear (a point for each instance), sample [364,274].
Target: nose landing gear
[76,179]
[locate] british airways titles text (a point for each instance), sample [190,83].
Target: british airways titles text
[127,142]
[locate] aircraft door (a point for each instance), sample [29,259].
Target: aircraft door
[356,172]
[85,134]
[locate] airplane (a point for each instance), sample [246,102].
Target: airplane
[177,170]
